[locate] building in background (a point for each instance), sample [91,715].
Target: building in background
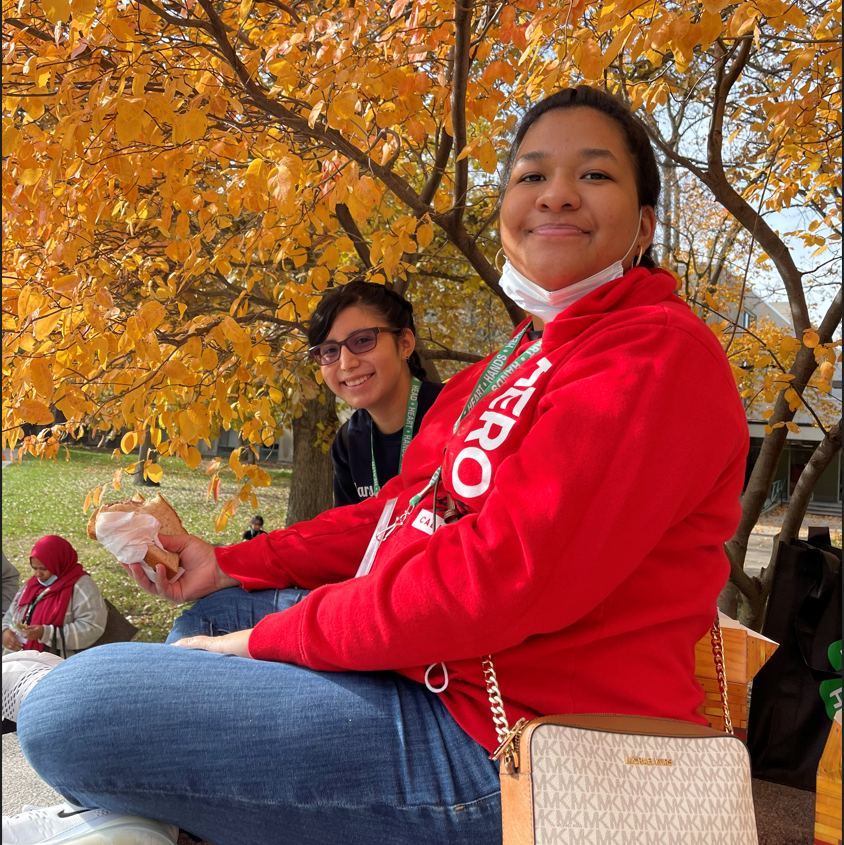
[800,445]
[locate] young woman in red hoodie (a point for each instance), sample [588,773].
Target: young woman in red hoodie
[595,465]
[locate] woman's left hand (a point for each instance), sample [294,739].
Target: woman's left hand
[236,643]
[32,632]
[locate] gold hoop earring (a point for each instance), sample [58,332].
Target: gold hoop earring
[497,256]
[638,259]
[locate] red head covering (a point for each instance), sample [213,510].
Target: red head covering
[59,557]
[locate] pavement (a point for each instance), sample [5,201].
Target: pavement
[20,783]
[761,542]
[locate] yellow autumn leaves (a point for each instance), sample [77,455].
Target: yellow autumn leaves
[149,113]
[165,237]
[251,475]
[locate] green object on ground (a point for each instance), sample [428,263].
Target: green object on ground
[835,655]
[831,690]
[831,695]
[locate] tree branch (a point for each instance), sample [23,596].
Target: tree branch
[723,85]
[351,229]
[33,31]
[821,458]
[749,587]
[716,180]
[333,139]
[452,355]
[429,189]
[182,23]
[299,125]
[462,45]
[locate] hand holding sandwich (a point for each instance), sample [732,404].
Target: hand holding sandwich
[201,577]
[150,530]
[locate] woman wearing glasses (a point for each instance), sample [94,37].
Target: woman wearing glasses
[363,338]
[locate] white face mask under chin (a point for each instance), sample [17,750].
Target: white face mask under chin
[547,304]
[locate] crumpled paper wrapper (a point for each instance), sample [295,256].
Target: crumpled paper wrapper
[127,535]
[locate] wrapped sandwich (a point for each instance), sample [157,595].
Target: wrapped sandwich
[129,529]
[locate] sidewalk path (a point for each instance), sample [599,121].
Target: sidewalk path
[20,783]
[761,541]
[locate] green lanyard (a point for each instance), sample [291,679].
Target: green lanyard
[30,609]
[491,379]
[407,431]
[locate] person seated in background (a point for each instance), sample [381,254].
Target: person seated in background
[256,528]
[11,579]
[59,607]
[381,378]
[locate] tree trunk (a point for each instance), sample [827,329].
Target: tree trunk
[146,452]
[821,458]
[755,590]
[247,456]
[728,600]
[311,488]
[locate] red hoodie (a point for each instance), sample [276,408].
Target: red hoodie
[601,481]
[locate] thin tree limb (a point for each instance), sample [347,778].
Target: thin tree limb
[352,230]
[462,45]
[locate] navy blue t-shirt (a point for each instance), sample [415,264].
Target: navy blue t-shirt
[352,458]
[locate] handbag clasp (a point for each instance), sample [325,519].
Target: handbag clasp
[509,746]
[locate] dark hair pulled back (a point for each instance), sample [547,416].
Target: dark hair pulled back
[648,182]
[393,308]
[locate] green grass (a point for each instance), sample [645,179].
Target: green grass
[47,497]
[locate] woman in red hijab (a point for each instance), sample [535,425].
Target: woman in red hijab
[59,604]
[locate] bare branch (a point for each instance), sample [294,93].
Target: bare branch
[462,45]
[821,458]
[429,189]
[33,31]
[452,355]
[352,230]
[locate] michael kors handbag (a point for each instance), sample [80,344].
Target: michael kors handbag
[622,780]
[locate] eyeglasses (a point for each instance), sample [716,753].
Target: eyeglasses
[363,340]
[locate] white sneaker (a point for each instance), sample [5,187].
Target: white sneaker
[21,672]
[65,824]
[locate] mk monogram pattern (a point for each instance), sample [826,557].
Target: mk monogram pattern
[585,793]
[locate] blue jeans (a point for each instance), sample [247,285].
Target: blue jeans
[248,752]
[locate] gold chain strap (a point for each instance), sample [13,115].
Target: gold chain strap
[718,653]
[508,738]
[502,727]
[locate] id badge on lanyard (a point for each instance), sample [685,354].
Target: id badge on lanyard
[377,538]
